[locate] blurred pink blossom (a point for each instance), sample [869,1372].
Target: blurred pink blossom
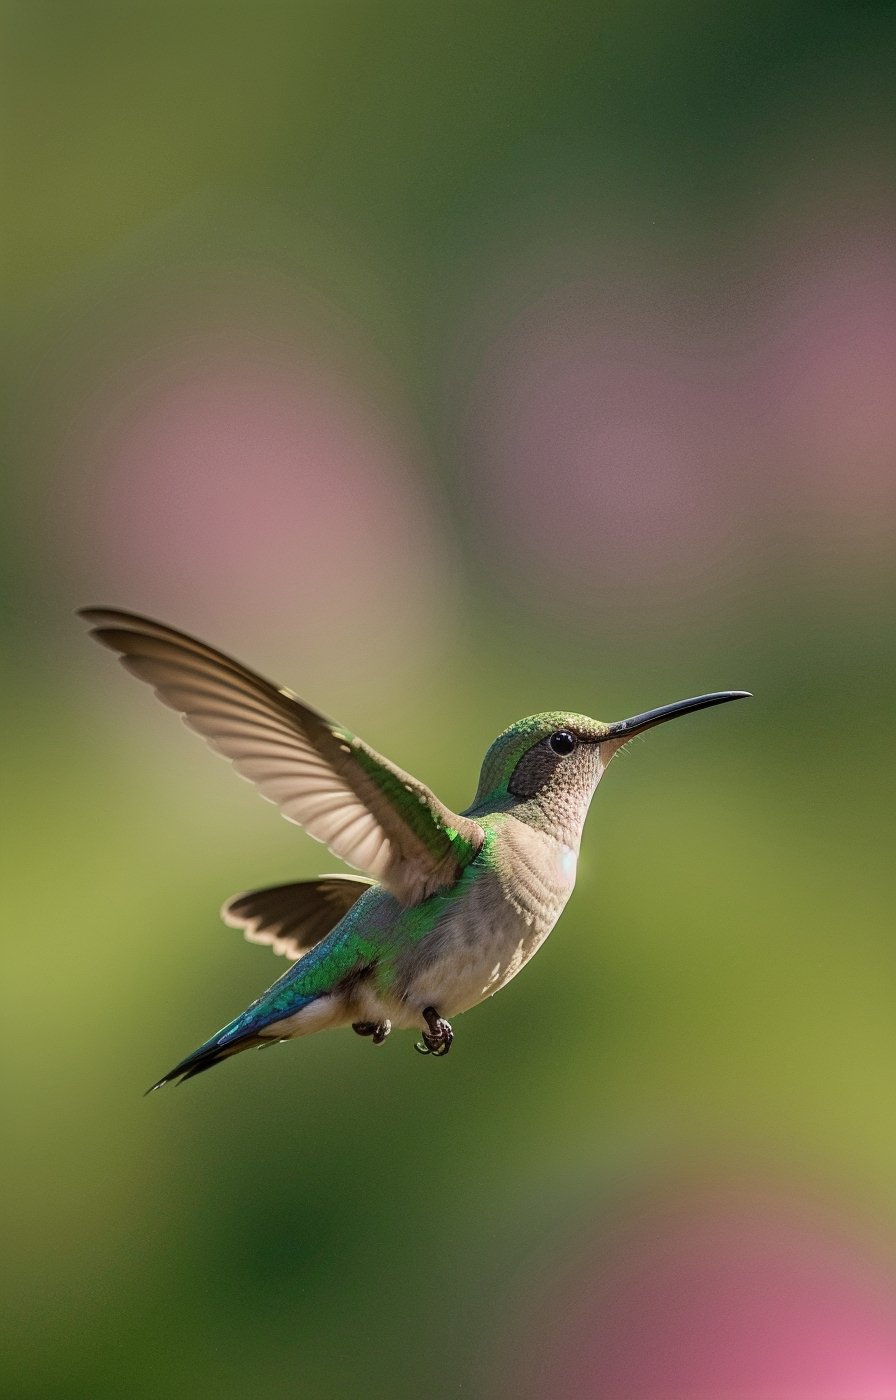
[651,436]
[233,484]
[827,369]
[716,1299]
[600,454]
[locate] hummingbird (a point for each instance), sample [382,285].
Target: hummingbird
[450,906]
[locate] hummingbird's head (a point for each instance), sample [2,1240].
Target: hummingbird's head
[540,756]
[545,768]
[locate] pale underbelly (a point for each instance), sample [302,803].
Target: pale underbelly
[470,965]
[466,972]
[472,952]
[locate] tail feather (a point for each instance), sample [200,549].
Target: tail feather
[206,1057]
[241,1034]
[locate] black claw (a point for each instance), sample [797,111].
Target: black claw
[437,1039]
[377,1030]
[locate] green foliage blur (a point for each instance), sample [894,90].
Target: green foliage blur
[388,190]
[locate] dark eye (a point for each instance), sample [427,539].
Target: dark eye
[563,742]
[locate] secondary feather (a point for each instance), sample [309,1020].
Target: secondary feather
[367,811]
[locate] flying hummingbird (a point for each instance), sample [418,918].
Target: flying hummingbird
[451,905]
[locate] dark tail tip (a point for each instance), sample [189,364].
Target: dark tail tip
[187,1069]
[206,1058]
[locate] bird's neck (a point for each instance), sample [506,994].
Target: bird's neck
[558,810]
[563,821]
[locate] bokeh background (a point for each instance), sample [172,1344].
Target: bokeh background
[449,363]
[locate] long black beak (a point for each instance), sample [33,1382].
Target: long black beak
[628,728]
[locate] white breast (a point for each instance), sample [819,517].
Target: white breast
[497,928]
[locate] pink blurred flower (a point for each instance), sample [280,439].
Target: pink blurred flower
[827,370]
[664,436]
[717,1299]
[259,488]
[600,452]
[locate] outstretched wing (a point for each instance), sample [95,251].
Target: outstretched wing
[292,919]
[321,776]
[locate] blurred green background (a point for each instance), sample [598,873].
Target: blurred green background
[449,364]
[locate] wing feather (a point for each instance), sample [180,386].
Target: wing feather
[368,812]
[293,918]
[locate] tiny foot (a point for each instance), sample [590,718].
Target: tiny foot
[437,1039]
[377,1030]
